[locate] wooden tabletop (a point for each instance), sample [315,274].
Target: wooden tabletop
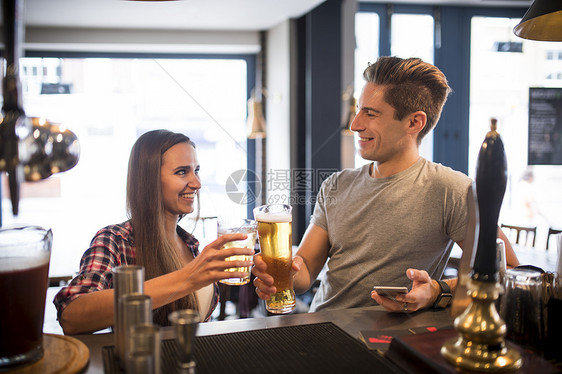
[545,259]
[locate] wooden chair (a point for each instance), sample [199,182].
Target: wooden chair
[527,230]
[551,231]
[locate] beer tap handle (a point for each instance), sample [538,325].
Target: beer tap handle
[14,126]
[491,181]
[13,39]
[55,149]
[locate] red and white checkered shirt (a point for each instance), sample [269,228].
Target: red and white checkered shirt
[112,246]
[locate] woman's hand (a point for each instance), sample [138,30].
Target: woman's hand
[210,265]
[422,295]
[264,282]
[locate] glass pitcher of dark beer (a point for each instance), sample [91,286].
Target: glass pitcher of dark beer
[25,252]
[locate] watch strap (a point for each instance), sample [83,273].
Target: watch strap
[444,287]
[445,297]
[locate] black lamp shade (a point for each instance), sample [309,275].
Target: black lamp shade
[543,21]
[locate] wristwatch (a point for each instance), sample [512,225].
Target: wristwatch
[445,297]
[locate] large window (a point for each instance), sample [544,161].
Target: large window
[491,72]
[503,68]
[108,103]
[411,35]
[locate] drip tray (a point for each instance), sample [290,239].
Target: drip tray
[320,348]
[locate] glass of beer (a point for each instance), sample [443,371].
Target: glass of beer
[25,252]
[275,237]
[238,226]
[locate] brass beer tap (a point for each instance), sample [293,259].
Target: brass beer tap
[30,148]
[480,345]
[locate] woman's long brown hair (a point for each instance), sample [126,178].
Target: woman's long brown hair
[145,207]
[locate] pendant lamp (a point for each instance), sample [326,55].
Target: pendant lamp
[543,21]
[255,124]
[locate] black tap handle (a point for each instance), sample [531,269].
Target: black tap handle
[491,180]
[13,41]
[13,120]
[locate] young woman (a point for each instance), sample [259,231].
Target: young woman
[162,186]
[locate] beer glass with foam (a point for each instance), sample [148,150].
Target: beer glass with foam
[25,252]
[238,226]
[275,238]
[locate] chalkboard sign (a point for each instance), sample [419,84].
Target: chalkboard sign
[545,126]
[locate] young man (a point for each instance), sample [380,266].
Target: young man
[387,223]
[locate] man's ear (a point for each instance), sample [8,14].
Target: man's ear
[418,120]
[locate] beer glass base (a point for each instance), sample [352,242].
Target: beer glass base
[282,302]
[235,281]
[22,359]
[283,310]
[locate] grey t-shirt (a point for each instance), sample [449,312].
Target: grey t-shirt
[380,227]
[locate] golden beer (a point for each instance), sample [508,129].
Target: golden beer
[247,227]
[275,237]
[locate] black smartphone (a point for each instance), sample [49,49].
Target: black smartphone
[390,291]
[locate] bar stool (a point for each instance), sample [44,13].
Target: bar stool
[224,292]
[527,230]
[60,281]
[551,231]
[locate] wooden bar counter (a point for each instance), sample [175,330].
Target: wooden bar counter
[318,346]
[352,321]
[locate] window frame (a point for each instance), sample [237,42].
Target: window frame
[250,60]
[450,143]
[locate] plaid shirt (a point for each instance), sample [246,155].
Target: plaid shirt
[111,247]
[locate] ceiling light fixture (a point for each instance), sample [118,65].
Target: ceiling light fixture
[543,21]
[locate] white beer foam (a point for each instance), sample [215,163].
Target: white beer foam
[21,263]
[276,217]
